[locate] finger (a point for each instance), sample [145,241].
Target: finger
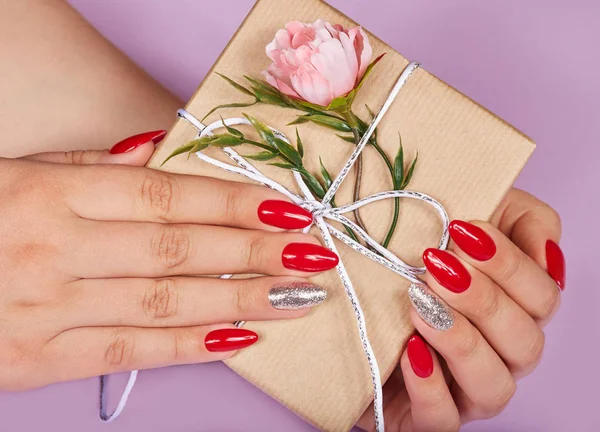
[513,334]
[431,404]
[84,352]
[136,194]
[124,249]
[474,364]
[535,228]
[135,151]
[185,302]
[509,267]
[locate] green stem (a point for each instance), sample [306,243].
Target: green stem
[354,124]
[392,228]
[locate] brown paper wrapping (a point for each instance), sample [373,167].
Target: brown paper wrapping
[468,159]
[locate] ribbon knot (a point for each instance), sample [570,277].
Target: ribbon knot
[317,208]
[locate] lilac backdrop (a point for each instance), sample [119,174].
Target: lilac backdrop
[535,63]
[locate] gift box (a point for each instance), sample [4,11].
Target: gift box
[467,160]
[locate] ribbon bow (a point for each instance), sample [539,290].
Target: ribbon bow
[323,211]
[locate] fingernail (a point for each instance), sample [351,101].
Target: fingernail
[229,339]
[447,270]
[308,257]
[133,142]
[430,307]
[419,356]
[555,261]
[296,295]
[283,214]
[472,239]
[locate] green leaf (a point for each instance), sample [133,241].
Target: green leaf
[399,166]
[262,156]
[263,85]
[283,165]
[231,105]
[236,85]
[368,72]
[349,139]
[179,150]
[299,144]
[312,183]
[232,131]
[304,105]
[330,122]
[371,113]
[300,120]
[325,174]
[410,172]
[269,98]
[341,102]
[266,135]
[224,140]
[288,151]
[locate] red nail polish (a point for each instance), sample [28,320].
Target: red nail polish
[283,214]
[308,257]
[419,356]
[135,141]
[229,339]
[555,260]
[447,270]
[473,240]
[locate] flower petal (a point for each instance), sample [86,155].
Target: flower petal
[364,50]
[331,63]
[351,58]
[312,86]
[279,84]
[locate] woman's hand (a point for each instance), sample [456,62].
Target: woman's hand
[100,262]
[489,298]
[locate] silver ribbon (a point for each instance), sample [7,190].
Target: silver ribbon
[323,211]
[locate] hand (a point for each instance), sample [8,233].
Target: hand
[489,298]
[99,262]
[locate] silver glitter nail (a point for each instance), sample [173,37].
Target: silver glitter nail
[296,295]
[430,307]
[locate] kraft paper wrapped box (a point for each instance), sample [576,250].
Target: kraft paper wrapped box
[468,159]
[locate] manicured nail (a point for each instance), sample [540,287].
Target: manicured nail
[430,307]
[308,257]
[283,214]
[133,142]
[473,240]
[447,270]
[419,356]
[296,295]
[555,261]
[229,339]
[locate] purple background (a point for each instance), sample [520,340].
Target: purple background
[535,63]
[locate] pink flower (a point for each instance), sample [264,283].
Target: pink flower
[317,62]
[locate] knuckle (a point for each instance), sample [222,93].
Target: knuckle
[120,351]
[257,254]
[488,305]
[500,401]
[178,347]
[75,157]
[162,300]
[232,203]
[158,194]
[244,301]
[532,354]
[171,246]
[468,344]
[548,304]
[511,268]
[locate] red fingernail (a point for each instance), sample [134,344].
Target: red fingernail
[447,270]
[308,257]
[419,356]
[555,260]
[283,214]
[135,141]
[473,240]
[229,339]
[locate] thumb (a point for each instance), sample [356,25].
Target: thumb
[135,151]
